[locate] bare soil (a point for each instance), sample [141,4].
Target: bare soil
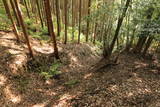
[134,82]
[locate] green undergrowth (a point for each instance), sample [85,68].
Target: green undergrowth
[71,83]
[48,67]
[36,31]
[4,21]
[53,72]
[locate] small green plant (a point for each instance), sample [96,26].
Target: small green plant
[29,22]
[71,82]
[44,31]
[53,71]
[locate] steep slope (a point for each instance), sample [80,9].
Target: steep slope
[133,82]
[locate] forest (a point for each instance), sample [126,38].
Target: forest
[79,53]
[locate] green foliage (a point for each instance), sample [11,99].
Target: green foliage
[53,71]
[71,82]
[36,31]
[44,31]
[4,21]
[44,67]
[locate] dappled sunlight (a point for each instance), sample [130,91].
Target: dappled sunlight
[88,75]
[62,102]
[14,52]
[78,83]
[144,90]
[10,96]
[44,50]
[140,65]
[3,43]
[3,80]
[47,92]
[139,80]
[20,61]
[50,93]
[49,82]
[130,94]
[40,105]
[154,71]
[74,61]
[113,88]
[73,58]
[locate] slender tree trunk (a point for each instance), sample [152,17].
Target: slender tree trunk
[95,33]
[10,17]
[79,33]
[120,21]
[128,36]
[58,18]
[148,44]
[23,27]
[39,13]
[50,26]
[88,21]
[140,44]
[53,6]
[73,20]
[66,20]
[144,36]
[26,6]
[15,13]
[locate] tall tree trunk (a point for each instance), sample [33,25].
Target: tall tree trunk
[23,27]
[120,21]
[88,21]
[144,36]
[39,12]
[26,6]
[73,19]
[95,33]
[53,7]
[140,44]
[79,30]
[66,19]
[148,44]
[128,30]
[50,26]
[58,18]
[15,13]
[10,17]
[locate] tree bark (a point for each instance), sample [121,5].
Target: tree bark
[50,26]
[148,44]
[39,13]
[23,27]
[79,33]
[25,3]
[120,21]
[15,13]
[58,18]
[73,20]
[12,21]
[66,20]
[88,21]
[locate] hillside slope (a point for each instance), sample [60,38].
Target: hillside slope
[134,82]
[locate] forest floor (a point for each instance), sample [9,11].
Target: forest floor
[134,82]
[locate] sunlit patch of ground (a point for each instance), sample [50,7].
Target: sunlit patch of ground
[3,80]
[10,96]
